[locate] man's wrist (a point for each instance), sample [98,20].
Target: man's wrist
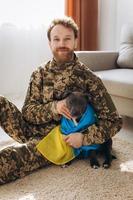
[86,140]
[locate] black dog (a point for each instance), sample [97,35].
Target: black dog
[77,103]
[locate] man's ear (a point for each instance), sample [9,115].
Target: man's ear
[49,44]
[76,44]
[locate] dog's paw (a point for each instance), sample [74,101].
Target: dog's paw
[106,165]
[94,164]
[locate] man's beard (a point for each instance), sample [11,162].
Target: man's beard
[63,54]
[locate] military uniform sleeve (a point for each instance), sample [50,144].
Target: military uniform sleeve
[35,110]
[109,122]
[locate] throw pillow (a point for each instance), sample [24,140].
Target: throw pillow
[125,58]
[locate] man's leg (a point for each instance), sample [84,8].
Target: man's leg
[12,122]
[20,160]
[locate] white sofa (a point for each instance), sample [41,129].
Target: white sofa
[116,70]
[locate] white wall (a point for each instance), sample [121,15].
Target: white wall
[107,23]
[113,15]
[21,51]
[23,40]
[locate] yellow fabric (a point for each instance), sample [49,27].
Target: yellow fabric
[54,148]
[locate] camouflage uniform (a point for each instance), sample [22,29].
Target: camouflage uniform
[48,84]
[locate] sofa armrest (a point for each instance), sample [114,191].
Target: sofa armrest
[98,60]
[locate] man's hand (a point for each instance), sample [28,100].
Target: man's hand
[75,140]
[62,109]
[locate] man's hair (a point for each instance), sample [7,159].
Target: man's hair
[68,22]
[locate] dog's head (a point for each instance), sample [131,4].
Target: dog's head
[77,103]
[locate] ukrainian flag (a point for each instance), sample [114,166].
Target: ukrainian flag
[55,149]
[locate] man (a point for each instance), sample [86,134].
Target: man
[45,104]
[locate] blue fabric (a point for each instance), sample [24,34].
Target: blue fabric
[87,119]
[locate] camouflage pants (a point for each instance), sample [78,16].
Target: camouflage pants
[18,160]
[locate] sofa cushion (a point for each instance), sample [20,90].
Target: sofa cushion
[98,60]
[125,58]
[119,82]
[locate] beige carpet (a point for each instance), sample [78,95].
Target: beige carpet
[79,181]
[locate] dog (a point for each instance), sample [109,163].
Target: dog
[76,103]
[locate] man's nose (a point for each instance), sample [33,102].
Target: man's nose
[62,43]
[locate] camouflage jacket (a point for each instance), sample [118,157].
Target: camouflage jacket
[49,83]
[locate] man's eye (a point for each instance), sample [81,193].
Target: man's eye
[68,39]
[56,39]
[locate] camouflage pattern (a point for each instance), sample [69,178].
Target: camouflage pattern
[20,159]
[49,84]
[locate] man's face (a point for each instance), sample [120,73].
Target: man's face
[62,43]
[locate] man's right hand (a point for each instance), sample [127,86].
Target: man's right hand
[61,109]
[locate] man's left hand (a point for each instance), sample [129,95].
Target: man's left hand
[75,140]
